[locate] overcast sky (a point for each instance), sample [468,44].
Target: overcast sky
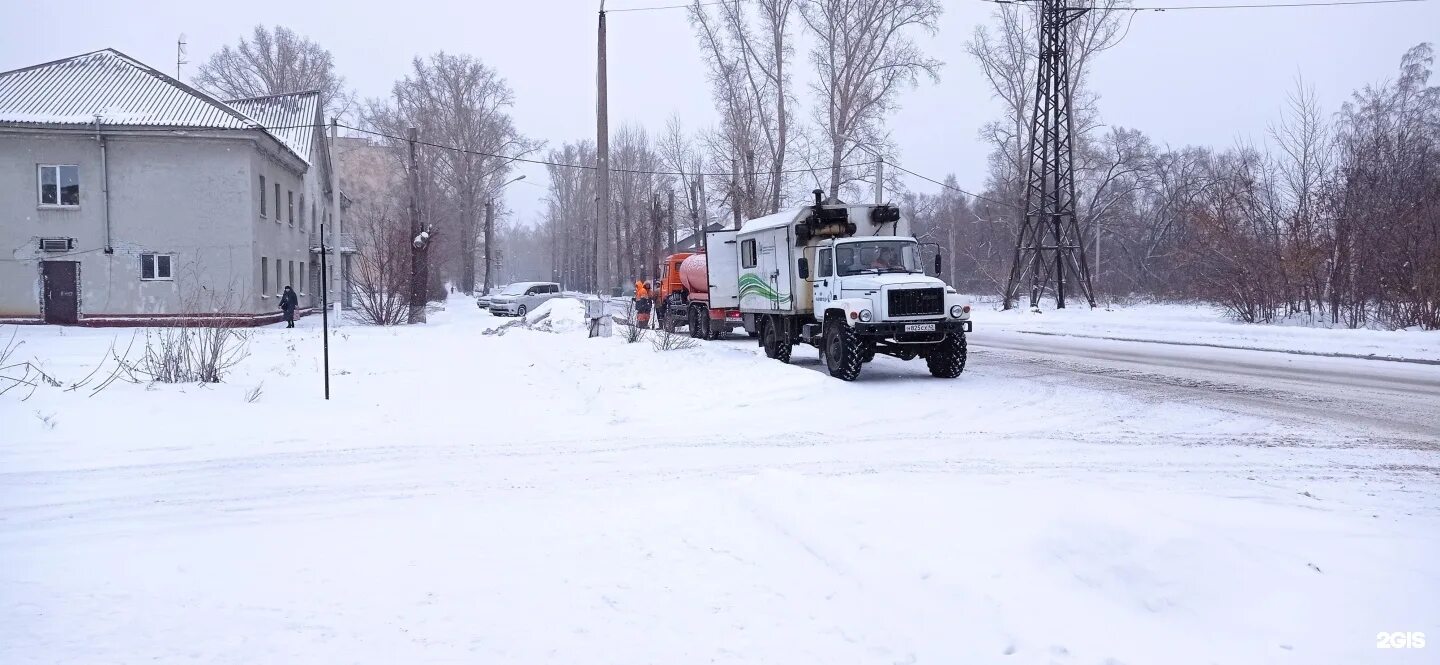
[1184,77]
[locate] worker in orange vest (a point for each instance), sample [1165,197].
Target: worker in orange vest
[642,304]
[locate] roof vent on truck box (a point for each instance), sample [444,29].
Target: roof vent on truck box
[824,222]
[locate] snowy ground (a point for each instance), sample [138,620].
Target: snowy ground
[543,497]
[1203,325]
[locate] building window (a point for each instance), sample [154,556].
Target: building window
[747,254]
[59,185]
[302,272]
[264,276]
[290,272]
[277,277]
[302,211]
[277,205]
[312,212]
[262,196]
[290,204]
[156,266]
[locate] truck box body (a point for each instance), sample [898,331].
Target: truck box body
[766,256]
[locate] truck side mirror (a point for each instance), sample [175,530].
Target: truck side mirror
[802,265]
[938,265]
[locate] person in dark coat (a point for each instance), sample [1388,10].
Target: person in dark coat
[288,302]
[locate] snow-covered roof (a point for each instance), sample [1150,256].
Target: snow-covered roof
[291,117]
[775,221]
[120,89]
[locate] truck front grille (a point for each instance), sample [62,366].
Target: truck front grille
[917,302]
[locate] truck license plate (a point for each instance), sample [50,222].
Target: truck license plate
[919,327]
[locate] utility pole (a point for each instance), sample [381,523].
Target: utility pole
[702,211]
[879,181]
[735,190]
[670,216]
[336,228]
[419,275]
[489,240]
[695,212]
[1050,178]
[180,54]
[603,277]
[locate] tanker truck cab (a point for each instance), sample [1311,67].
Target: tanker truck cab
[849,280]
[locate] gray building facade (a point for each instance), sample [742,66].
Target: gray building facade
[127,197]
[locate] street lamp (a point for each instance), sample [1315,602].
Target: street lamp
[490,228]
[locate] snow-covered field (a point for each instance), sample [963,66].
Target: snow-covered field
[544,497]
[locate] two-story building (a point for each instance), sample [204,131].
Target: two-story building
[127,196]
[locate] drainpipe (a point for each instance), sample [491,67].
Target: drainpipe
[104,184]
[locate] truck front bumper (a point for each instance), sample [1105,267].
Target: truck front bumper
[896,330]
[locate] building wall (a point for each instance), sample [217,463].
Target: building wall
[194,197]
[278,237]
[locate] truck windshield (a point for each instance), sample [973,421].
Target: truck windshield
[853,258]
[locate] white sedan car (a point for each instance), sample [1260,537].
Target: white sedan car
[519,298]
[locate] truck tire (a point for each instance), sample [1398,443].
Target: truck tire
[777,343]
[522,311]
[947,359]
[844,352]
[693,323]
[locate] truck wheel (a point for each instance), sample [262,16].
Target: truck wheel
[843,350]
[777,343]
[947,359]
[693,323]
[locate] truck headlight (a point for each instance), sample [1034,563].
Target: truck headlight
[957,311]
[864,316]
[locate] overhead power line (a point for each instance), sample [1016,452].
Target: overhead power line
[647,9]
[951,187]
[1275,5]
[544,162]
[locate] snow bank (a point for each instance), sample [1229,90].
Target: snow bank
[560,315]
[1205,325]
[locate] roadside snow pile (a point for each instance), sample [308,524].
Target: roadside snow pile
[1204,325]
[560,315]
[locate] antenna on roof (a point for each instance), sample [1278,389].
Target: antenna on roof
[180,53]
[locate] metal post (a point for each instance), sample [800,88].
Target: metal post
[325,307]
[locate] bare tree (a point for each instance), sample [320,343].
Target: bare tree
[863,58]
[749,53]
[458,102]
[273,62]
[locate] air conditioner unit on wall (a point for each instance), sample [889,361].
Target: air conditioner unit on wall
[57,244]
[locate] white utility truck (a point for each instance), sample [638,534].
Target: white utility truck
[846,279]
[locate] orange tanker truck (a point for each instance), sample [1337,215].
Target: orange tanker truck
[690,296]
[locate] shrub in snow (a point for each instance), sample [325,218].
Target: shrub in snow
[664,340]
[192,353]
